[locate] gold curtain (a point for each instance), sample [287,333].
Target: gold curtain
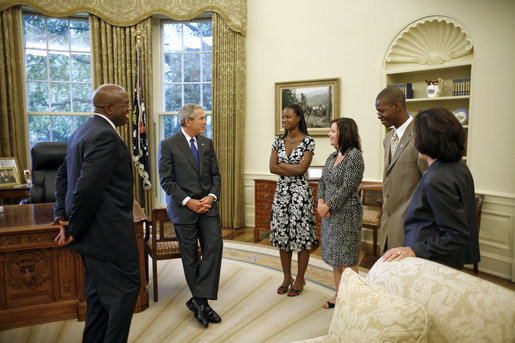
[13,118]
[113,50]
[228,118]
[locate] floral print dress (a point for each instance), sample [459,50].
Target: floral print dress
[293,213]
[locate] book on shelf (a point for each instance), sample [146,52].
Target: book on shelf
[461,86]
[405,87]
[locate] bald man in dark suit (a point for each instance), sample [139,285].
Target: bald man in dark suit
[94,212]
[189,175]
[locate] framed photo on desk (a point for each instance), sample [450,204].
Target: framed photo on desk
[9,172]
[314,173]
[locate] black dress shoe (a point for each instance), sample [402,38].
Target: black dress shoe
[201,316]
[212,316]
[190,304]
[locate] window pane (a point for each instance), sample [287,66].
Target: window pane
[206,67]
[206,96]
[171,125]
[172,37]
[37,96]
[207,36]
[79,35]
[61,128]
[59,66]
[192,94]
[57,33]
[39,129]
[60,97]
[81,67]
[81,97]
[191,38]
[34,32]
[35,64]
[208,131]
[65,77]
[191,67]
[172,68]
[173,98]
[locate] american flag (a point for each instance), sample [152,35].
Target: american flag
[139,130]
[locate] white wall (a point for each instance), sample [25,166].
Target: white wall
[289,40]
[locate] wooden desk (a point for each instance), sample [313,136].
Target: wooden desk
[13,195]
[39,281]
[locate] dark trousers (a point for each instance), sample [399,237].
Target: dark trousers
[202,275]
[111,290]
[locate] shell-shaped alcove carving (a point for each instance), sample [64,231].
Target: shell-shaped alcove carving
[430,41]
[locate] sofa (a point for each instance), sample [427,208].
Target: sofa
[417,300]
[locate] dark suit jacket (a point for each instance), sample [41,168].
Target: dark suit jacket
[440,223]
[180,177]
[94,192]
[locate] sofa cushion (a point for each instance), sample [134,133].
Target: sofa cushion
[461,307]
[366,313]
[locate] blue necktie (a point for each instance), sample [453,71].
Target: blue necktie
[194,150]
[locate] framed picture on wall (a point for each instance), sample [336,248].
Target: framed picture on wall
[319,100]
[9,172]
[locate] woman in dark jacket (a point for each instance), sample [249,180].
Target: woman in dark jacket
[440,224]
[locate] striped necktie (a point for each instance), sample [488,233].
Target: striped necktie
[395,142]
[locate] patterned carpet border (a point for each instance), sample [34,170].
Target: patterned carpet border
[247,253]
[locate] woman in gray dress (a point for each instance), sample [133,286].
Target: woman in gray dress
[339,204]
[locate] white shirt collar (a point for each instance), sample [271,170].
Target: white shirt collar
[400,131]
[108,120]
[188,137]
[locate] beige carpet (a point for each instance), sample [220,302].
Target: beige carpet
[247,302]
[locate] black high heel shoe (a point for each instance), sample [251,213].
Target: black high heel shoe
[284,289]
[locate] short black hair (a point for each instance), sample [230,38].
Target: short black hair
[348,135]
[439,135]
[392,95]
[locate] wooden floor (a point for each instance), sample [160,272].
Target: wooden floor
[367,261]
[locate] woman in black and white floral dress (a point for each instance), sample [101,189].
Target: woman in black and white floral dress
[339,204]
[293,215]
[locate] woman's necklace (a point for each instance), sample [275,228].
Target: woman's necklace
[292,141]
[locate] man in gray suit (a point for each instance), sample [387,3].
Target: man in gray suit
[403,169]
[189,175]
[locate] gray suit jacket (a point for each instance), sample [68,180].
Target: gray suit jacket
[180,177]
[402,172]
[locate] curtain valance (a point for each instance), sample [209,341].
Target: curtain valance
[131,12]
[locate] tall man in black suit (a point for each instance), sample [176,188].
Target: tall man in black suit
[94,211]
[189,175]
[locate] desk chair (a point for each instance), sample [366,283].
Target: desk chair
[372,200]
[479,205]
[46,157]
